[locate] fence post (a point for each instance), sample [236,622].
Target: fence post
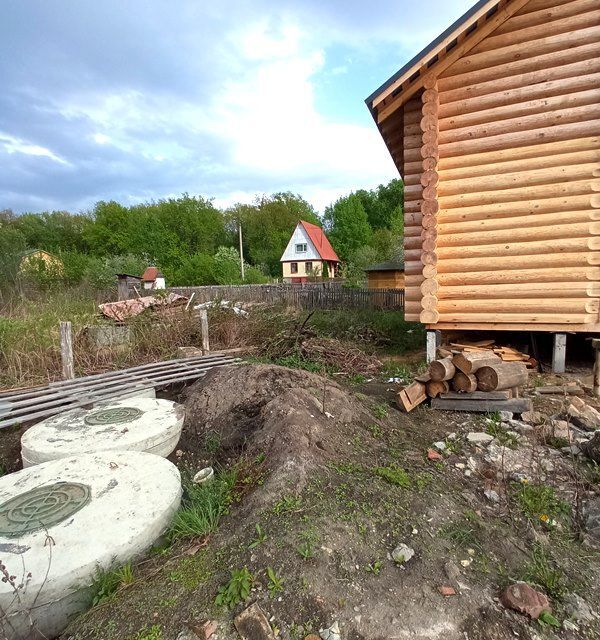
[66,351]
[204,331]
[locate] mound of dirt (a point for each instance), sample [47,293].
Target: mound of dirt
[296,419]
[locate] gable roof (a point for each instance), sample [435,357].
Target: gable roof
[150,274]
[478,22]
[319,239]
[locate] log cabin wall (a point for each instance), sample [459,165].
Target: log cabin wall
[518,231]
[500,154]
[411,170]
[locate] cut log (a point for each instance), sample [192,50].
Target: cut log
[471,361]
[442,369]
[504,375]
[411,396]
[437,387]
[464,382]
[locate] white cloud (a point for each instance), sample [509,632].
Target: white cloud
[11,144]
[101,138]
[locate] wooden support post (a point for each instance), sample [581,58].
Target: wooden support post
[122,289]
[596,383]
[66,351]
[431,346]
[204,331]
[559,352]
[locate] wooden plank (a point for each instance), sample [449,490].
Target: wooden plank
[491,325]
[66,350]
[479,395]
[514,405]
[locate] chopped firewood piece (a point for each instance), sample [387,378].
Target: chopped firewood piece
[411,396]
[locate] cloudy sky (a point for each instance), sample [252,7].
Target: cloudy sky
[139,99]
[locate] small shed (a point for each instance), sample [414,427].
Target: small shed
[152,278]
[495,129]
[385,275]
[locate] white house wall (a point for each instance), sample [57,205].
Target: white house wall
[300,237]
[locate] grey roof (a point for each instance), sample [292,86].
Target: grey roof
[390,265]
[422,54]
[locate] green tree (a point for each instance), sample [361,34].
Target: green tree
[348,225]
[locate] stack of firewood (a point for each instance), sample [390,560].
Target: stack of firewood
[506,354]
[469,381]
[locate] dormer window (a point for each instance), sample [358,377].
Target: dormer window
[301,248]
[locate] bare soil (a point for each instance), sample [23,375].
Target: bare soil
[336,477]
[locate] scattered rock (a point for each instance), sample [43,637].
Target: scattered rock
[188,634]
[452,571]
[447,591]
[332,633]
[520,427]
[312,636]
[252,624]
[591,448]
[491,495]
[440,446]
[402,553]
[204,630]
[517,464]
[532,417]
[506,415]
[591,517]
[525,599]
[479,437]
[583,415]
[433,455]
[578,609]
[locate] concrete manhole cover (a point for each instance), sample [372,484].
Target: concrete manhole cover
[42,507]
[113,415]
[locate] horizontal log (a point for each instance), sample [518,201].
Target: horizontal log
[464,382]
[524,250]
[412,206]
[412,294]
[442,369]
[501,166]
[542,119]
[413,218]
[507,160]
[520,305]
[429,316]
[518,194]
[429,286]
[503,375]
[531,275]
[542,221]
[519,97]
[412,267]
[468,363]
[513,209]
[413,308]
[530,261]
[412,242]
[514,140]
[514,318]
[525,72]
[504,117]
[412,254]
[510,53]
[552,25]
[412,231]
[524,178]
[429,271]
[537,5]
[558,10]
[414,280]
[519,290]
[521,233]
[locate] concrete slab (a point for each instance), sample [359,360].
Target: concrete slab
[61,520]
[133,424]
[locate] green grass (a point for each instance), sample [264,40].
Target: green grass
[106,583]
[540,502]
[380,410]
[463,533]
[394,475]
[541,571]
[203,505]
[383,328]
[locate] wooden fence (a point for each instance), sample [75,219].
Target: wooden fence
[307,296]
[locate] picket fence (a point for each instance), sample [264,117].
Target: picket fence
[307,296]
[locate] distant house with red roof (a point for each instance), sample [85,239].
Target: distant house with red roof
[152,278]
[309,255]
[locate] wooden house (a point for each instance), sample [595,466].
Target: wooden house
[495,129]
[385,275]
[308,255]
[36,257]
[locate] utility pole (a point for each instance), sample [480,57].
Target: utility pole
[241,250]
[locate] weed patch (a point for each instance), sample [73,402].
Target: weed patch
[541,571]
[202,506]
[394,475]
[236,590]
[106,583]
[540,503]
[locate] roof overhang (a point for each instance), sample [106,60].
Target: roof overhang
[483,18]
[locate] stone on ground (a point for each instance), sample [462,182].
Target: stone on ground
[252,624]
[525,599]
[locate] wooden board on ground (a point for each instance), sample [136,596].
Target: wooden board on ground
[479,395]
[411,396]
[514,405]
